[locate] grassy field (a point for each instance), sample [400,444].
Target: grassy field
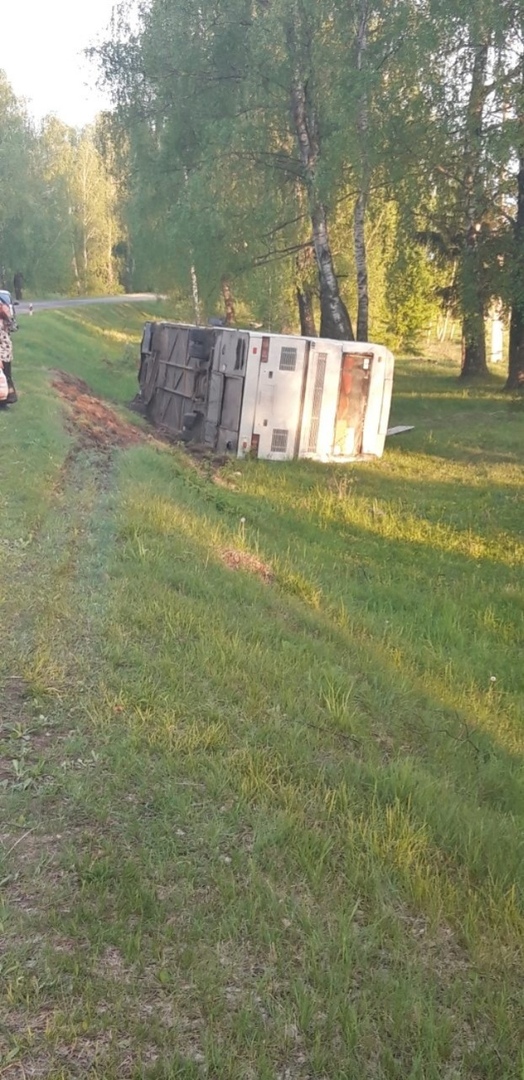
[261,741]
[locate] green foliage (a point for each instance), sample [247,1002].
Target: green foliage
[242,131]
[203,102]
[412,282]
[59,214]
[17,181]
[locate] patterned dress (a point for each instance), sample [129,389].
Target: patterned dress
[6,354]
[6,347]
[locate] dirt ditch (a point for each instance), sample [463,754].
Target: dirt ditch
[95,424]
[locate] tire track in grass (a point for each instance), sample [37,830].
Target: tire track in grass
[50,660]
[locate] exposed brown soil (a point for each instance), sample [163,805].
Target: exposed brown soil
[243,560]
[95,423]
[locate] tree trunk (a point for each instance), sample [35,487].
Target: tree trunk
[74,264]
[308,326]
[85,252]
[195,292]
[474,347]
[359,217]
[110,255]
[474,362]
[229,303]
[359,223]
[515,379]
[304,266]
[196,295]
[474,328]
[334,318]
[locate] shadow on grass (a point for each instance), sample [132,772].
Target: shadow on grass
[312,693]
[420,526]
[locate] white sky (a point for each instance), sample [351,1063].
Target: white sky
[41,42]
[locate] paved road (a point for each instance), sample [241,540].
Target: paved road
[54,305]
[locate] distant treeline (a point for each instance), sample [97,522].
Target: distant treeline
[348,168]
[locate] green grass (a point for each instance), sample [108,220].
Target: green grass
[252,829]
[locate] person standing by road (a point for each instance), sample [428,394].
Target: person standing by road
[6,352]
[18,282]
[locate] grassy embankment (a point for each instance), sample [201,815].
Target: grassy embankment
[267,821]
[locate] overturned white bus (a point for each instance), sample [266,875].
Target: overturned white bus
[274,396]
